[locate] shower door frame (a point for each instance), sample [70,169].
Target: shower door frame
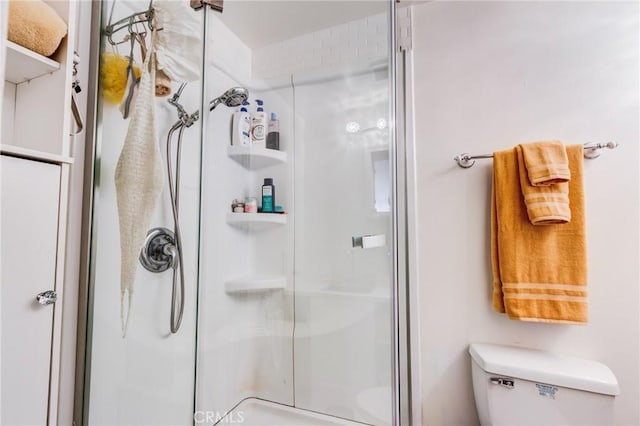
[403,411]
[81,394]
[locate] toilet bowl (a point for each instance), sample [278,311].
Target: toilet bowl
[518,386]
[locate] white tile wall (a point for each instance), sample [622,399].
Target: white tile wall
[356,42]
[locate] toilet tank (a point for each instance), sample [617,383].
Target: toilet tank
[518,386]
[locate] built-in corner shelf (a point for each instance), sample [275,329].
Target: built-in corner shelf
[256,283]
[257,219]
[256,158]
[23,64]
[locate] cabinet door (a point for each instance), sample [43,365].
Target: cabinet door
[29,228]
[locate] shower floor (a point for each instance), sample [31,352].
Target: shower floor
[257,412]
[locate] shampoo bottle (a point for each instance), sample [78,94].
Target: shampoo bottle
[268,196]
[259,126]
[273,133]
[241,128]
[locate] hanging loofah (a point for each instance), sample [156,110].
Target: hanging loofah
[139,183]
[163,84]
[113,76]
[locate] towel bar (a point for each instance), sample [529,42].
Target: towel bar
[591,150]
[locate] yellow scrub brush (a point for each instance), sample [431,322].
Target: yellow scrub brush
[113,76]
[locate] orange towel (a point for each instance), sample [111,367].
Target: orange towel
[539,272]
[546,162]
[546,205]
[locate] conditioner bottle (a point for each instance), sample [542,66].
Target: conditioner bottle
[259,126]
[273,134]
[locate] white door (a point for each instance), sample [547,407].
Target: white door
[29,226]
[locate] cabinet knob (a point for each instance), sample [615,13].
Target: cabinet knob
[47,297]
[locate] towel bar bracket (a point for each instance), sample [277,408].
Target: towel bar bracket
[467,160]
[592,151]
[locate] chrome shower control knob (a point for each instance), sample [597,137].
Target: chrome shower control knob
[159,251]
[48,297]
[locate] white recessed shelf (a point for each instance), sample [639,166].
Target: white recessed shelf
[23,64]
[258,219]
[256,158]
[256,283]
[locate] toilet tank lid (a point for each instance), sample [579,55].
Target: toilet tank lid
[545,367]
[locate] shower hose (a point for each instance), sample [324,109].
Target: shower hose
[231,98]
[177,297]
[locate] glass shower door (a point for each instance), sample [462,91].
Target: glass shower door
[295,309]
[147,377]
[343,285]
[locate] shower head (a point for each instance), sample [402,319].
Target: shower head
[232,98]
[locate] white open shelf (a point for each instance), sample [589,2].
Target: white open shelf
[266,219]
[256,158]
[31,154]
[24,65]
[255,283]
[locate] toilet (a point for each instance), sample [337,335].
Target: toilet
[518,386]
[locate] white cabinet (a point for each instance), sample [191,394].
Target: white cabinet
[29,240]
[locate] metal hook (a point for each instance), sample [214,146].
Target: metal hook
[128,22]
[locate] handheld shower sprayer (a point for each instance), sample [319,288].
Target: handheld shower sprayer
[232,98]
[163,248]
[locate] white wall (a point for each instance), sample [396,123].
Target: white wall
[488,76]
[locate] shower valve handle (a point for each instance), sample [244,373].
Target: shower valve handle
[159,251]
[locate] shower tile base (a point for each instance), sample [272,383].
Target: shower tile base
[257,412]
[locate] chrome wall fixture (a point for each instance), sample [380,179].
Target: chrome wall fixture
[591,150]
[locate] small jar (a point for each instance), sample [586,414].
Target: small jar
[251,205]
[237,206]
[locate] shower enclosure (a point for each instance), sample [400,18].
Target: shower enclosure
[291,317]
